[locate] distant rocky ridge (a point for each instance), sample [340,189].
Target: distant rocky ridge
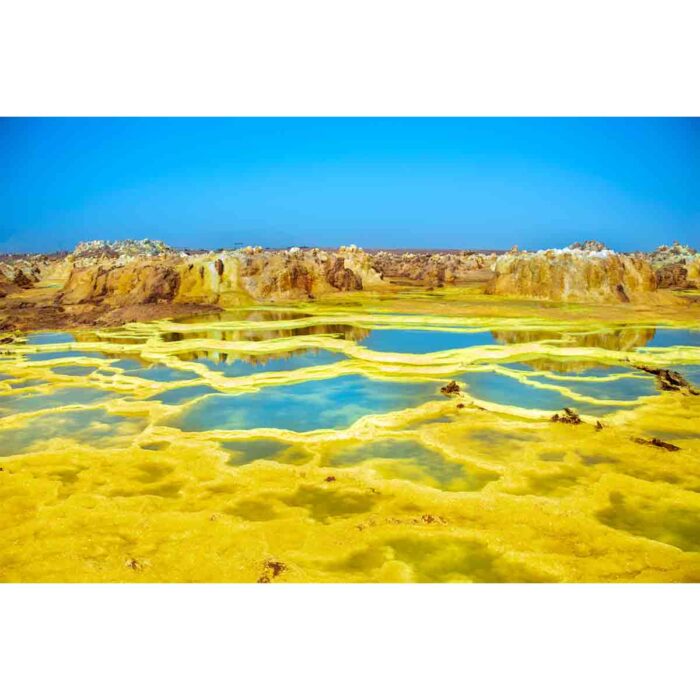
[435,269]
[117,281]
[127,247]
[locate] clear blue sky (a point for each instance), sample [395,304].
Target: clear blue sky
[454,183]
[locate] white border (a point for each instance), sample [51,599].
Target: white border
[349,57]
[343,641]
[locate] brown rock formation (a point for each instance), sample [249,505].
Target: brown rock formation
[341,277]
[676,266]
[672,276]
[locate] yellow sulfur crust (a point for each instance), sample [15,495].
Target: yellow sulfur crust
[458,489]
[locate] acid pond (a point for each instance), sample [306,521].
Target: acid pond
[314,443]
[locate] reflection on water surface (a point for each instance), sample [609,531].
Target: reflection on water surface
[234,365]
[416,341]
[329,403]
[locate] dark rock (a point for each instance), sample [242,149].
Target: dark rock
[451,388]
[570,416]
[21,280]
[655,442]
[669,380]
[277,567]
[272,569]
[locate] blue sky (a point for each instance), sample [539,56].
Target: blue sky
[398,182]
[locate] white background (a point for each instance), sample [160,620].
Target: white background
[349,58]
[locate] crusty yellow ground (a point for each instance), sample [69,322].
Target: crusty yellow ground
[549,502]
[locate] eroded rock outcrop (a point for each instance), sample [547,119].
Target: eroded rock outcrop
[676,266]
[574,274]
